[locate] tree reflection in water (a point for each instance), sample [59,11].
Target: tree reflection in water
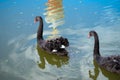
[107,74]
[51,59]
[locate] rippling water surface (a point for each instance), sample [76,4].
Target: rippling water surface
[20,59]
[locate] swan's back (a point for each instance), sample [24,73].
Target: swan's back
[111,63]
[57,44]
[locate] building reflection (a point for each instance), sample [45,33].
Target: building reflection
[51,59]
[54,15]
[107,74]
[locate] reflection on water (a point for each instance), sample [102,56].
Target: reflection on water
[51,59]
[96,71]
[54,34]
[54,15]
[107,74]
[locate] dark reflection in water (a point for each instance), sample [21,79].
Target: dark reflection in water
[51,59]
[107,74]
[54,15]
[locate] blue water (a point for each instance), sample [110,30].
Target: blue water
[21,60]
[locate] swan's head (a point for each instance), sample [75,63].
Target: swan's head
[37,18]
[91,33]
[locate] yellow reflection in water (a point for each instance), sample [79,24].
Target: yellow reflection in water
[54,34]
[107,74]
[51,59]
[54,15]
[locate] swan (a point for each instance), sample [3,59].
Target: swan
[110,63]
[53,46]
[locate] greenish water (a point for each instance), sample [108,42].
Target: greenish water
[20,59]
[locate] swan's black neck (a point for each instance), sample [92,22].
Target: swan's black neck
[40,30]
[96,45]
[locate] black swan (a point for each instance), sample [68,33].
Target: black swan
[53,46]
[111,63]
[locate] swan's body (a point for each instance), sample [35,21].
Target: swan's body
[111,63]
[53,46]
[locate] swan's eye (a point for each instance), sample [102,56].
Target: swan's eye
[90,34]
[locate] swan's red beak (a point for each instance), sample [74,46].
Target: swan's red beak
[89,35]
[35,21]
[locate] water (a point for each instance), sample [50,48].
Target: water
[20,59]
